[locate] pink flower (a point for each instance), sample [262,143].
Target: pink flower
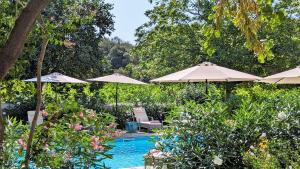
[22,144]
[101,147]
[20,141]
[46,147]
[77,127]
[81,114]
[95,139]
[95,146]
[44,113]
[95,143]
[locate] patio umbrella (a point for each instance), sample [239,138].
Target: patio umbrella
[291,76]
[207,72]
[56,78]
[117,78]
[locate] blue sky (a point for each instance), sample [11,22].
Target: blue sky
[129,14]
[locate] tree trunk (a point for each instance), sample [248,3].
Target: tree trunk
[1,131]
[16,40]
[39,101]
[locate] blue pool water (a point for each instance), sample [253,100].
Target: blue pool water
[129,152]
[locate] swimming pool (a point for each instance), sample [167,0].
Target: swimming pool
[129,152]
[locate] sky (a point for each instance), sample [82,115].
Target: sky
[129,15]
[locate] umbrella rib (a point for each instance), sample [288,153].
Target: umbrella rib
[279,80]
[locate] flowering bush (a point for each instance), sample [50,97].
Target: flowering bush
[70,137]
[10,157]
[76,138]
[259,129]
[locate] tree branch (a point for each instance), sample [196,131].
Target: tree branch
[39,101]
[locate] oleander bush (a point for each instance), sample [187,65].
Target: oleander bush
[260,129]
[70,137]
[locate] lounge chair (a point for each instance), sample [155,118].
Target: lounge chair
[143,120]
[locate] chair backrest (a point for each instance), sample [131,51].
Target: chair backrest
[140,114]
[31,115]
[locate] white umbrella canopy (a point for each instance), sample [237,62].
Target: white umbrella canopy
[56,78]
[117,78]
[291,76]
[207,72]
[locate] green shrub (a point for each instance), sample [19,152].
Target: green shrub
[260,129]
[69,137]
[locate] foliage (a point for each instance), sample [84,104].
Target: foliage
[260,131]
[74,28]
[249,17]
[13,131]
[86,132]
[69,137]
[157,99]
[176,38]
[116,53]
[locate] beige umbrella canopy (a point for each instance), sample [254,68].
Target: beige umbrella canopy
[287,77]
[207,72]
[56,78]
[117,78]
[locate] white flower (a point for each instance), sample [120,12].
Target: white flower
[252,154]
[281,116]
[252,147]
[217,160]
[263,135]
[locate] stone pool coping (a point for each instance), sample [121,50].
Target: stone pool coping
[138,134]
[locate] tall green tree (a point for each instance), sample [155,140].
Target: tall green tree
[176,38]
[13,46]
[78,53]
[116,53]
[57,23]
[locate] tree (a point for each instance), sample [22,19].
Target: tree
[175,38]
[116,52]
[62,23]
[15,43]
[84,38]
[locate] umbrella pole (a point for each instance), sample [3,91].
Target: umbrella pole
[206,86]
[117,86]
